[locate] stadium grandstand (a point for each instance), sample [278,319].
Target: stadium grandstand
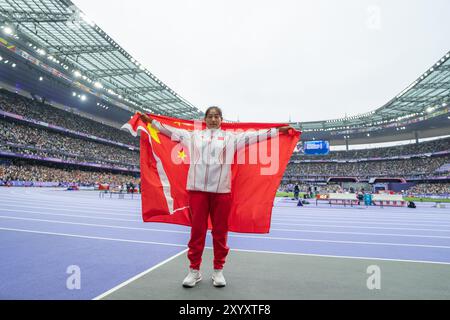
[67,87]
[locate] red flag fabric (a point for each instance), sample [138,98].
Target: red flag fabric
[164,165]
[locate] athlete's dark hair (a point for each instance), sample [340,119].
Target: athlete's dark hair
[214,107]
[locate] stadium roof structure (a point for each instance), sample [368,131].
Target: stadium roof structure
[58,34]
[425,98]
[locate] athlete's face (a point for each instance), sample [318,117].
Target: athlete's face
[213,119]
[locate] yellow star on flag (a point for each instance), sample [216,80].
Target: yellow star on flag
[181,154]
[153,133]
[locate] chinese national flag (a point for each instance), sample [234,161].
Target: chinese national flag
[163,181]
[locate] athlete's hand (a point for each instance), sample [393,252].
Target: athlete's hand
[285,129]
[145,118]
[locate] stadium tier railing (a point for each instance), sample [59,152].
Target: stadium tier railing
[56,152]
[56,160]
[313,178]
[403,157]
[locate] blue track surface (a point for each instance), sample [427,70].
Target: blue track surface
[44,231]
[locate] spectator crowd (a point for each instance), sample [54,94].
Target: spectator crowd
[366,169]
[26,139]
[36,110]
[18,170]
[385,152]
[430,188]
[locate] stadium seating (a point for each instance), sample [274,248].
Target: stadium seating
[26,139]
[415,167]
[385,152]
[20,138]
[36,110]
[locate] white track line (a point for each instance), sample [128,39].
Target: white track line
[282,224]
[375,223]
[344,257]
[140,275]
[372,210]
[300,217]
[361,217]
[315,219]
[71,210]
[362,233]
[230,235]
[91,237]
[75,206]
[95,225]
[244,250]
[69,200]
[348,242]
[353,227]
[256,237]
[71,215]
[358,220]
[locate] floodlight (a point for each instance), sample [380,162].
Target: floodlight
[8,30]
[98,85]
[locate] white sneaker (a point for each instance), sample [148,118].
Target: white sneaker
[192,278]
[218,279]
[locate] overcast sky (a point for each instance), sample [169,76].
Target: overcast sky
[270,60]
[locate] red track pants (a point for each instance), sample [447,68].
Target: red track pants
[202,204]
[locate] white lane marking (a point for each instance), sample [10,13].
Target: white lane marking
[334,256]
[362,233]
[75,205]
[360,217]
[367,222]
[70,210]
[315,219]
[178,245]
[99,203]
[71,215]
[422,211]
[230,235]
[301,216]
[348,242]
[357,220]
[140,275]
[246,250]
[280,238]
[282,224]
[94,225]
[354,227]
[91,237]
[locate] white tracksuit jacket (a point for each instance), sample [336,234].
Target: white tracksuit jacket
[212,152]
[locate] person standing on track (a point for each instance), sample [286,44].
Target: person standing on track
[209,186]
